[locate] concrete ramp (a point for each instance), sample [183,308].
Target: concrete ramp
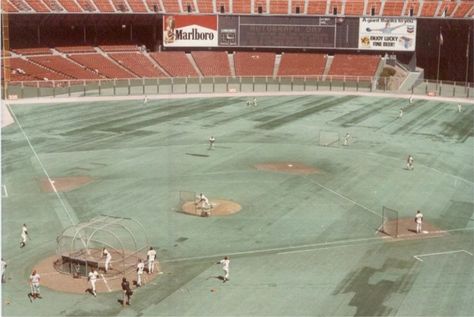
[7,118]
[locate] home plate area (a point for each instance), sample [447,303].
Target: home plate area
[405,228]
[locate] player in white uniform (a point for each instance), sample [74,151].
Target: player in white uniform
[254,102]
[3,268]
[459,107]
[140,268]
[211,142]
[400,115]
[410,162]
[35,284]
[410,100]
[203,203]
[151,256]
[24,235]
[93,275]
[346,139]
[225,266]
[108,258]
[145,100]
[419,221]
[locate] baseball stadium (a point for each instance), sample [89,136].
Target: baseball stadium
[237,158]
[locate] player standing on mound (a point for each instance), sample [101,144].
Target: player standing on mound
[418,221]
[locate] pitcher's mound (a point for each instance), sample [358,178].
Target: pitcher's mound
[64,184]
[287,167]
[220,207]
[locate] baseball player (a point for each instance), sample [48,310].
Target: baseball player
[151,256]
[140,268]
[203,202]
[459,107]
[225,266]
[254,102]
[346,139]
[3,268]
[410,100]
[35,284]
[108,258]
[127,292]
[24,236]
[211,142]
[410,162]
[145,100]
[93,275]
[400,115]
[418,221]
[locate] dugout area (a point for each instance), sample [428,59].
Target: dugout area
[306,240]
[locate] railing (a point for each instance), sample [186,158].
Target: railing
[157,86]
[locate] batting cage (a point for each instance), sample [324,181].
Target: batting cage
[329,138]
[187,202]
[390,224]
[80,248]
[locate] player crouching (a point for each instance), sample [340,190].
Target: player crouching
[203,204]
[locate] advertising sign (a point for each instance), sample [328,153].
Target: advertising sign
[387,34]
[189,31]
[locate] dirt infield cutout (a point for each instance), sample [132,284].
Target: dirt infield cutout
[220,207]
[407,229]
[63,282]
[64,184]
[287,167]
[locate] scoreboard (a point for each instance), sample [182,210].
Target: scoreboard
[288,32]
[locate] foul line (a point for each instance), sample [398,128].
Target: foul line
[105,282]
[418,257]
[51,182]
[344,197]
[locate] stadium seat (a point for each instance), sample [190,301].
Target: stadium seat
[302,64]
[212,63]
[175,63]
[254,63]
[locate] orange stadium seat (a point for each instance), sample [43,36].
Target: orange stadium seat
[297,5]
[374,5]
[304,64]
[212,63]
[171,6]
[205,6]
[260,6]
[70,6]
[241,6]
[446,8]
[175,63]
[120,5]
[254,63]
[354,8]
[154,5]
[137,5]
[27,68]
[354,65]
[62,65]
[32,51]
[138,64]
[101,65]
[37,5]
[53,5]
[75,49]
[104,6]
[463,9]
[317,7]
[336,5]
[87,5]
[278,7]
[429,8]
[393,8]
[8,7]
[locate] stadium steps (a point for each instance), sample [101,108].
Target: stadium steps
[277,65]
[132,74]
[410,81]
[329,60]
[231,64]
[193,62]
[152,60]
